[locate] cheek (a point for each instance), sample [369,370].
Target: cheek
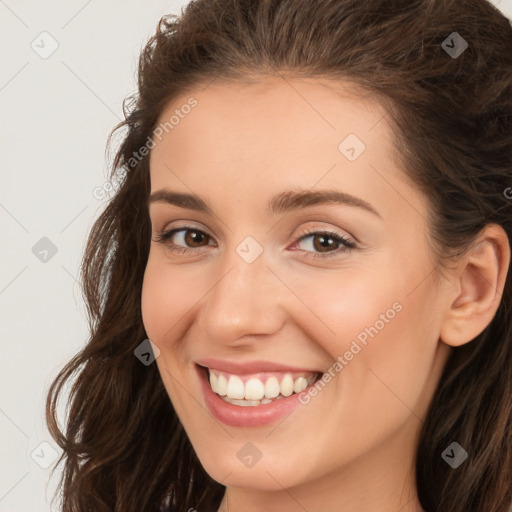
[168,296]
[403,353]
[154,302]
[166,299]
[382,350]
[350,305]
[380,333]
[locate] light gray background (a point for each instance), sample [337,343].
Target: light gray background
[56,115]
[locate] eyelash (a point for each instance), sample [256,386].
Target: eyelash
[164,237]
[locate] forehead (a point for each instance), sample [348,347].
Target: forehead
[298,115]
[279,132]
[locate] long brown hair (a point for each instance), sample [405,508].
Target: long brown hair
[124,448]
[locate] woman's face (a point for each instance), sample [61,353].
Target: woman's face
[256,289]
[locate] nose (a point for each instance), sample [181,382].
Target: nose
[247,299]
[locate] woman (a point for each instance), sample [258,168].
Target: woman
[300,295]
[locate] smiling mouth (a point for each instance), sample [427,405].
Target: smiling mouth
[259,388]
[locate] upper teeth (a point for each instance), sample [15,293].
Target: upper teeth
[256,388]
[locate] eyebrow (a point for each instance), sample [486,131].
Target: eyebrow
[281,203]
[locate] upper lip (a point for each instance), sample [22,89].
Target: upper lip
[249,367]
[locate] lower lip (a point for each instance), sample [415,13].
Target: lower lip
[248,416]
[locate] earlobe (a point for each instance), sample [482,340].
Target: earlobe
[479,280]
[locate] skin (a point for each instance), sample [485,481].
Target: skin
[352,448]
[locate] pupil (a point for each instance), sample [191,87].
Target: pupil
[323,238]
[194,236]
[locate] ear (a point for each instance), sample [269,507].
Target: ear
[478,281]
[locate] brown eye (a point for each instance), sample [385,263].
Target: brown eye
[193,237]
[323,244]
[188,238]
